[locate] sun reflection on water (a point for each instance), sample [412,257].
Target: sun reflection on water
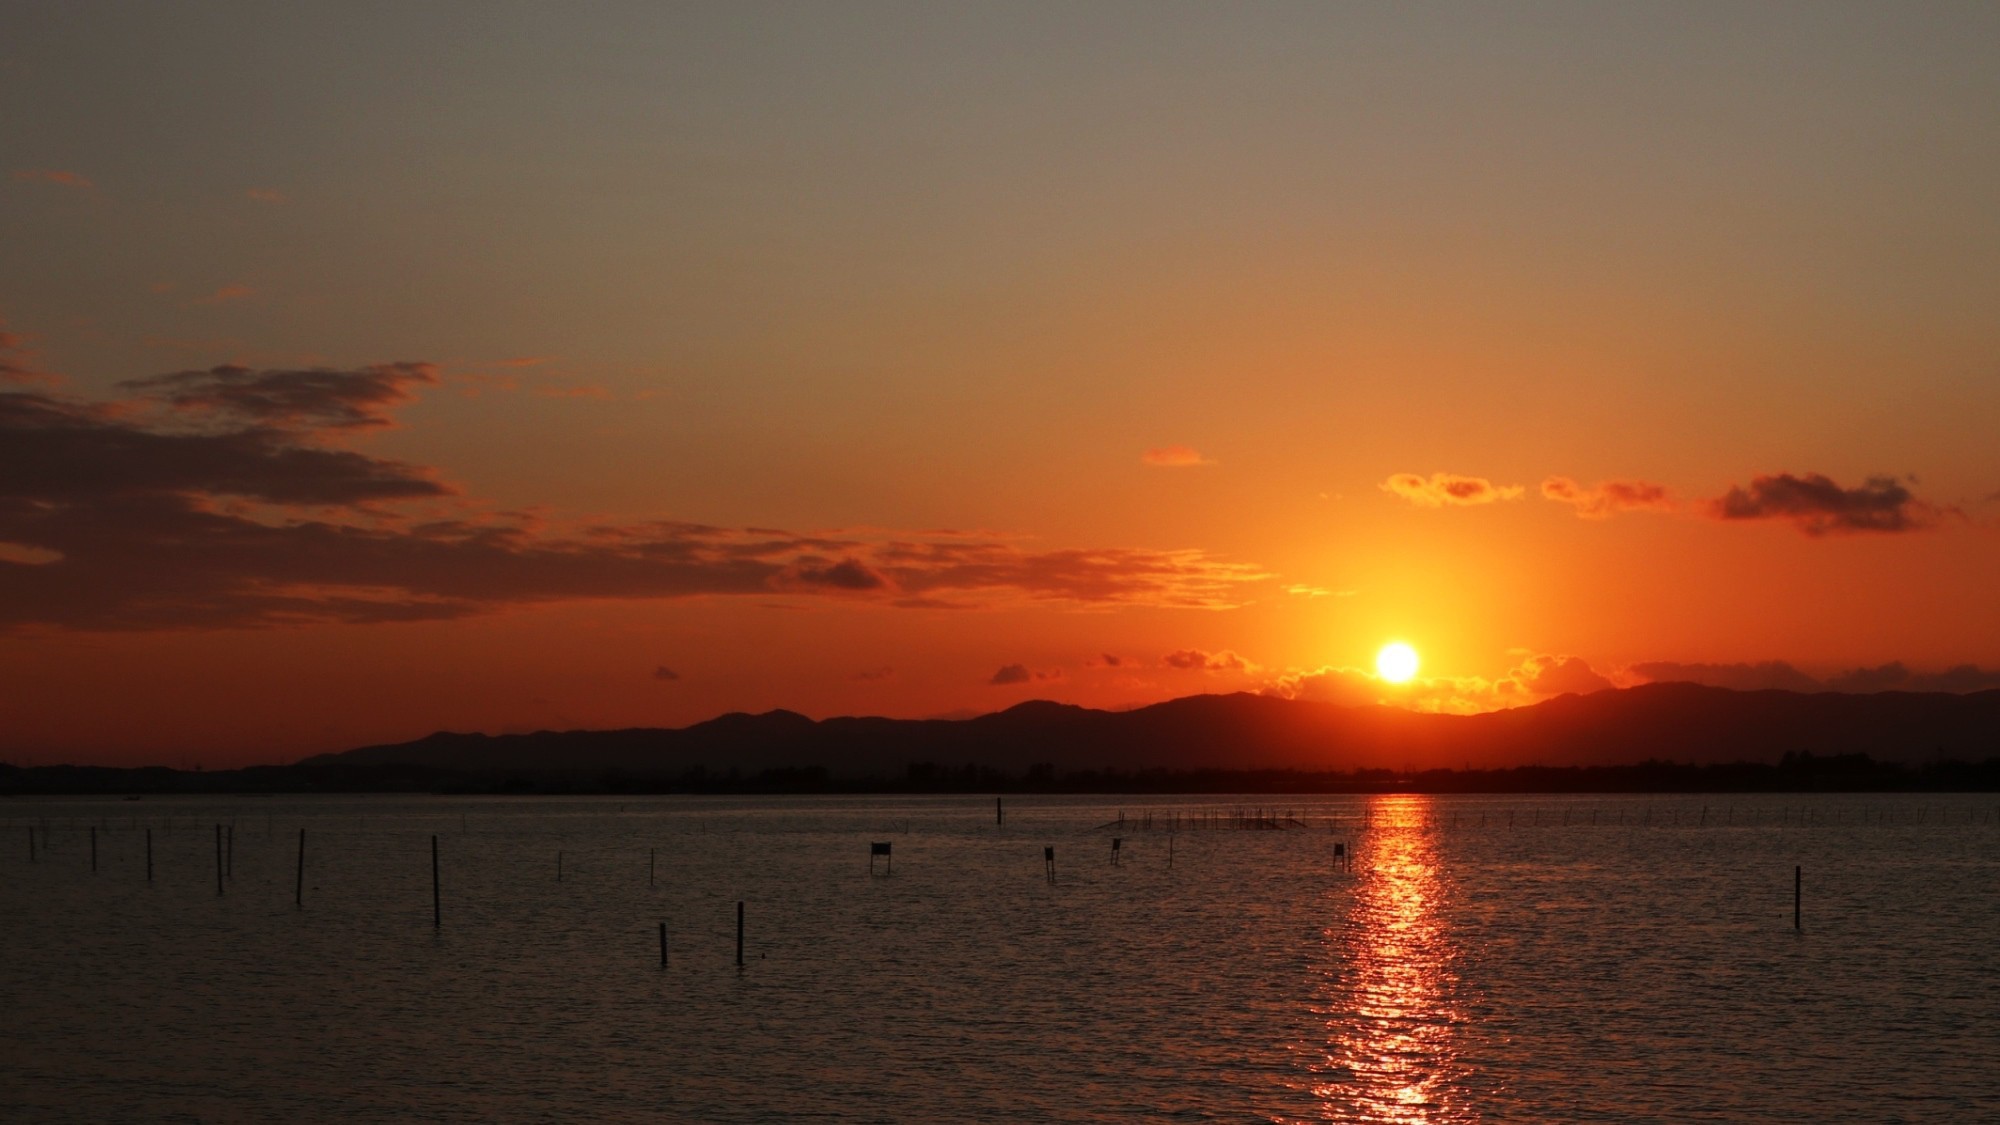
[1390,1007]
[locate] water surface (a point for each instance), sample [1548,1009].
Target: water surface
[1502,958]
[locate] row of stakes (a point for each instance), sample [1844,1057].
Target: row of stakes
[225,862]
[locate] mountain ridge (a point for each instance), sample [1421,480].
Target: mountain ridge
[1662,721]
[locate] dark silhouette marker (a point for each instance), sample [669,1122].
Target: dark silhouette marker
[881,849]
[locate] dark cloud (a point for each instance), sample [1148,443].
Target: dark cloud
[849,575]
[1607,498]
[57,451]
[1195,660]
[1107,660]
[665,673]
[1011,674]
[313,398]
[1818,506]
[1769,675]
[1897,676]
[1021,674]
[117,517]
[1778,675]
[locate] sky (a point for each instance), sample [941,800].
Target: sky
[373,369]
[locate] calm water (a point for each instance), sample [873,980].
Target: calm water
[1598,958]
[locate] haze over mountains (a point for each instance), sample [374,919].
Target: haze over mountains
[1669,721]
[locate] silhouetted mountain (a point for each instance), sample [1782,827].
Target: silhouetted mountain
[1669,722]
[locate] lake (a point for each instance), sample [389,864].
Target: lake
[1519,958]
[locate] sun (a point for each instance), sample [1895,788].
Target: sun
[1396,663]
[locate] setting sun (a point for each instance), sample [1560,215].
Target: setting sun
[1396,662]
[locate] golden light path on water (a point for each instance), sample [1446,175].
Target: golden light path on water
[1390,1001]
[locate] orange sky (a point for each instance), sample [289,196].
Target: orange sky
[365,374]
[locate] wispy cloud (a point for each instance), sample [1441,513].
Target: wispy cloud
[1445,490]
[235,291]
[1195,660]
[1173,457]
[1607,498]
[17,362]
[55,176]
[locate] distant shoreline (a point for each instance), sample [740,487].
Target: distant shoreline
[1794,773]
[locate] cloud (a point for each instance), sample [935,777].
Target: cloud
[1777,675]
[572,390]
[1173,457]
[220,498]
[1105,660]
[55,176]
[1317,592]
[1607,498]
[15,363]
[235,291]
[874,675]
[1769,675]
[1448,490]
[1818,506]
[1195,660]
[1545,675]
[1538,677]
[313,398]
[264,195]
[1010,674]
[665,673]
[847,575]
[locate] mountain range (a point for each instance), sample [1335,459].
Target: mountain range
[1677,722]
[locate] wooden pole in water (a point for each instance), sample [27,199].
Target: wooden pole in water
[663,945]
[999,813]
[739,933]
[437,899]
[299,884]
[1798,883]
[218,859]
[93,849]
[1170,853]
